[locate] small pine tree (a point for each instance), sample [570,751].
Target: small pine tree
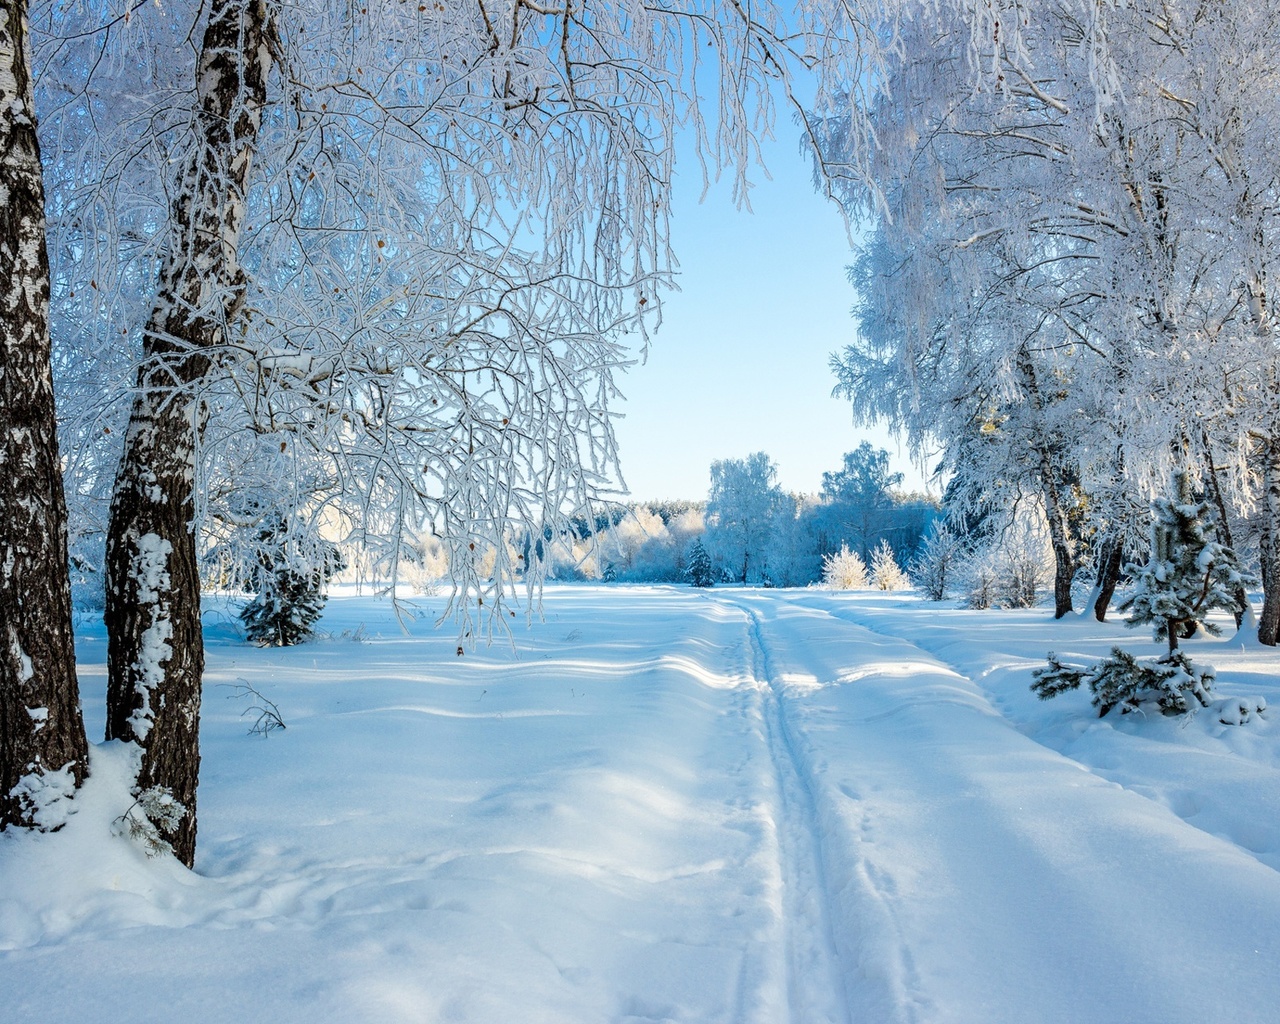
[845,570]
[934,567]
[886,574]
[1172,683]
[699,572]
[1188,573]
[290,596]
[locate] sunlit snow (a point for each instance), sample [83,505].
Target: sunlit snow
[673,805]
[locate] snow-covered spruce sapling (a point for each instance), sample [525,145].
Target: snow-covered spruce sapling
[290,594]
[845,570]
[1172,683]
[153,813]
[699,572]
[1188,574]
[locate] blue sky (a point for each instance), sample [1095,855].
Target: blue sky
[740,363]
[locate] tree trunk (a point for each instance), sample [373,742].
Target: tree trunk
[1269,622]
[1224,527]
[1064,553]
[1064,560]
[155,650]
[1110,563]
[43,750]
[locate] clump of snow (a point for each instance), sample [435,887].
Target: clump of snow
[151,569]
[1239,710]
[151,573]
[47,796]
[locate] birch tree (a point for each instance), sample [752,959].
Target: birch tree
[743,507]
[43,749]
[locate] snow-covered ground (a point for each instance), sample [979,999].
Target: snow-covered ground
[777,807]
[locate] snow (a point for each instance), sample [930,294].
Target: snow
[151,571]
[667,804]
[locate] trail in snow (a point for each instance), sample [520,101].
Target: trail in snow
[815,979]
[664,807]
[983,877]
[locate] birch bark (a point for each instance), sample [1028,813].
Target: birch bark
[43,750]
[155,649]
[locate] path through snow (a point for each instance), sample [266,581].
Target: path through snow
[666,805]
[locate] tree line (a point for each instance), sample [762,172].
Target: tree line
[753,531]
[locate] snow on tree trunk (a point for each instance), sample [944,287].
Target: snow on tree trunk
[1269,623]
[155,648]
[43,750]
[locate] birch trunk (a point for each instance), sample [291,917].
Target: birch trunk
[155,649]
[43,750]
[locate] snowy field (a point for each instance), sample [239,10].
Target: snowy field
[776,807]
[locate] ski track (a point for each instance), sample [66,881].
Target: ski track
[811,949]
[845,959]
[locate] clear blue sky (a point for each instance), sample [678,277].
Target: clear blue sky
[741,361]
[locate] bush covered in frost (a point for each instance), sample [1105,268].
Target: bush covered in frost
[844,570]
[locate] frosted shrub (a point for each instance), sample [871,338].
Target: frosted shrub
[1011,574]
[845,570]
[979,576]
[1024,567]
[935,567]
[886,574]
[427,566]
[1020,579]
